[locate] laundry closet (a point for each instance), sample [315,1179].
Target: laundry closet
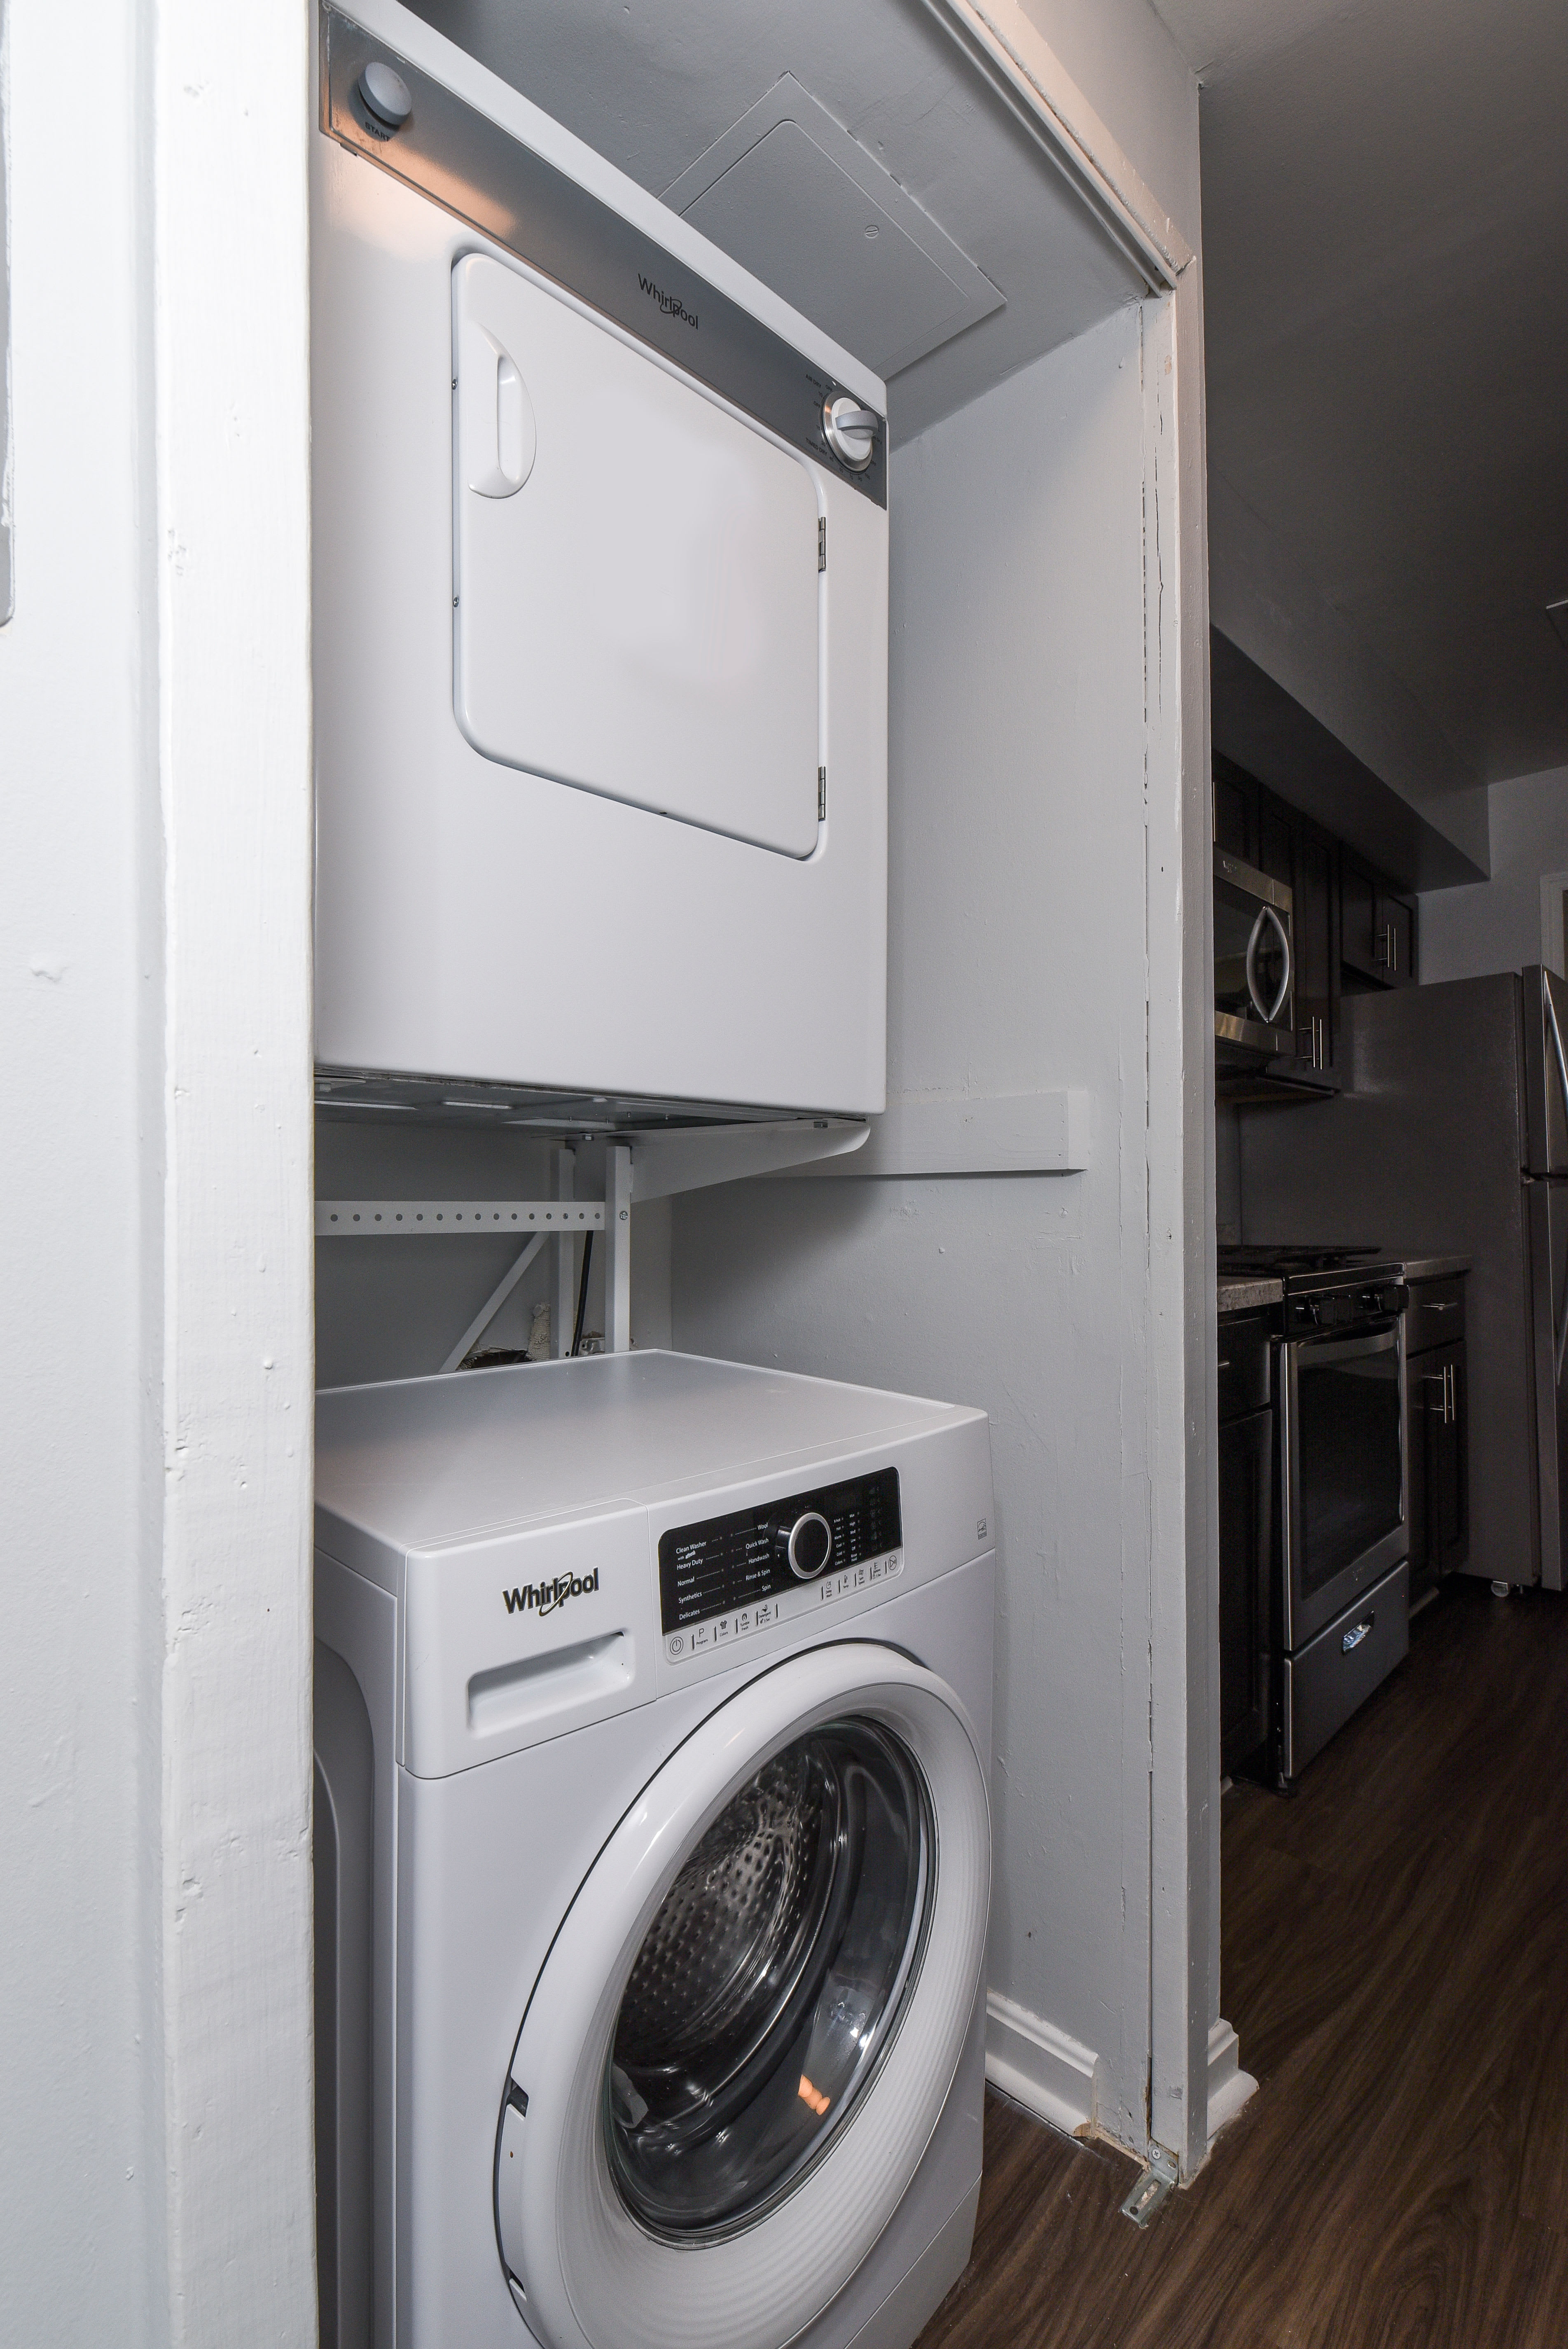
[758,662]
[610,1460]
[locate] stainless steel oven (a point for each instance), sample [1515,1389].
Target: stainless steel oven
[1342,1471]
[1344,1541]
[1342,1579]
[1254,964]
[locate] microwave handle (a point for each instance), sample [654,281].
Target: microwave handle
[1268,1017]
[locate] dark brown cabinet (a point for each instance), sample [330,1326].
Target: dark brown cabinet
[1276,839]
[1316,949]
[1353,929]
[1246,1537]
[1437,1431]
[1235,811]
[1377,926]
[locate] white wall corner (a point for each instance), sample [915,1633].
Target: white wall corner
[1229,2086]
[1049,2073]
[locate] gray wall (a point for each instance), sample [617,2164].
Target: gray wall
[1264,600]
[1018,958]
[1496,925]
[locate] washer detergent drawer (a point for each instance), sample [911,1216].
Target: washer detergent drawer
[638,605]
[1335,1673]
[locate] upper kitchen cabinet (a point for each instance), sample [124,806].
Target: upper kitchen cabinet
[1378,926]
[1318,948]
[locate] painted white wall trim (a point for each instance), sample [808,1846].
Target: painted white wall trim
[1229,2086]
[230,328]
[1046,2070]
[1001,34]
[1183,1496]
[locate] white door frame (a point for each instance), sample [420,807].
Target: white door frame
[230,342]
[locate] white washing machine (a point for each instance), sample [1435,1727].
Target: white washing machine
[653,1857]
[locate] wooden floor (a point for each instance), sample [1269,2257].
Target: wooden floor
[1396,1965]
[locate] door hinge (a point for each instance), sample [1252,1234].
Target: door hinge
[821,542]
[822,795]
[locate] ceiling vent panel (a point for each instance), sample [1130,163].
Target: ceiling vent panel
[794,199]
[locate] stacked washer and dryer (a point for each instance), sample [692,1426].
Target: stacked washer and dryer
[653,1694]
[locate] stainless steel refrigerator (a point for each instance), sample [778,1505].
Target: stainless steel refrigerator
[1452,1138]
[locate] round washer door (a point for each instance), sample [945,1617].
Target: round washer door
[742,2039]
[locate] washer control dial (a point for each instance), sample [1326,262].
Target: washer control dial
[807,1544]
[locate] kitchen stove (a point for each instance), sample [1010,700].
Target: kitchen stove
[1341,1597]
[1324,1287]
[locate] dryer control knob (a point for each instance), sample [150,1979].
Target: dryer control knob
[808,1545]
[850,431]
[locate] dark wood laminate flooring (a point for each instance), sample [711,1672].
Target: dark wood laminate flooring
[1396,1966]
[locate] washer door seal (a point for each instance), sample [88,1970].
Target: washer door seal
[750,2272]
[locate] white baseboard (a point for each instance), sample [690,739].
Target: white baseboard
[1038,2066]
[1229,2085]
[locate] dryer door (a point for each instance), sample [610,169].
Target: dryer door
[638,606]
[745,2029]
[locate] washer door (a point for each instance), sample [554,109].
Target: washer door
[745,2029]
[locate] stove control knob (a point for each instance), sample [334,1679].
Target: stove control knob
[1337,1312]
[807,1545]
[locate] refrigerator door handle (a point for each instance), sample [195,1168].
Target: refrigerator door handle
[1561,1331]
[1557,1053]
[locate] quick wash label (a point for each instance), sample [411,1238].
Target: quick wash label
[545,1598]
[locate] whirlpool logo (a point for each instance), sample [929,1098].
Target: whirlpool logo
[545,1598]
[672,307]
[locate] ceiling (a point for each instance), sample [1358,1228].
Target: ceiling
[852,156]
[1385,266]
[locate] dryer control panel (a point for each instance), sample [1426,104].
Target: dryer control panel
[729,1577]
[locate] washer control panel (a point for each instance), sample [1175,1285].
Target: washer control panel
[728,1578]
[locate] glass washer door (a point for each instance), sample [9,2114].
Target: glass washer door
[769,1983]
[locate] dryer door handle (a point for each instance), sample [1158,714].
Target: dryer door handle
[498,438]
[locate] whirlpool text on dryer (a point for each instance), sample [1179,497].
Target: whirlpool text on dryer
[545,1598]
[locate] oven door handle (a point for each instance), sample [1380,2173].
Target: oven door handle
[1268,1017]
[1346,1349]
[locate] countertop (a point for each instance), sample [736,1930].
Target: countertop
[1434,1268]
[1239,1295]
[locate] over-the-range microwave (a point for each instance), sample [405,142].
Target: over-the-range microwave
[1254,964]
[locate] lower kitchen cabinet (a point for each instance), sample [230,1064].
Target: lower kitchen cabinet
[1246,1539]
[1437,1431]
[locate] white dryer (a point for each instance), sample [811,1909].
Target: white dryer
[600,624]
[653,1857]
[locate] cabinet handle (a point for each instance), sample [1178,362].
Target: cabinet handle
[1354,1637]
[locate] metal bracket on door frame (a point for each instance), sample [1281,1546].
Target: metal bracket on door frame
[1151,2187]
